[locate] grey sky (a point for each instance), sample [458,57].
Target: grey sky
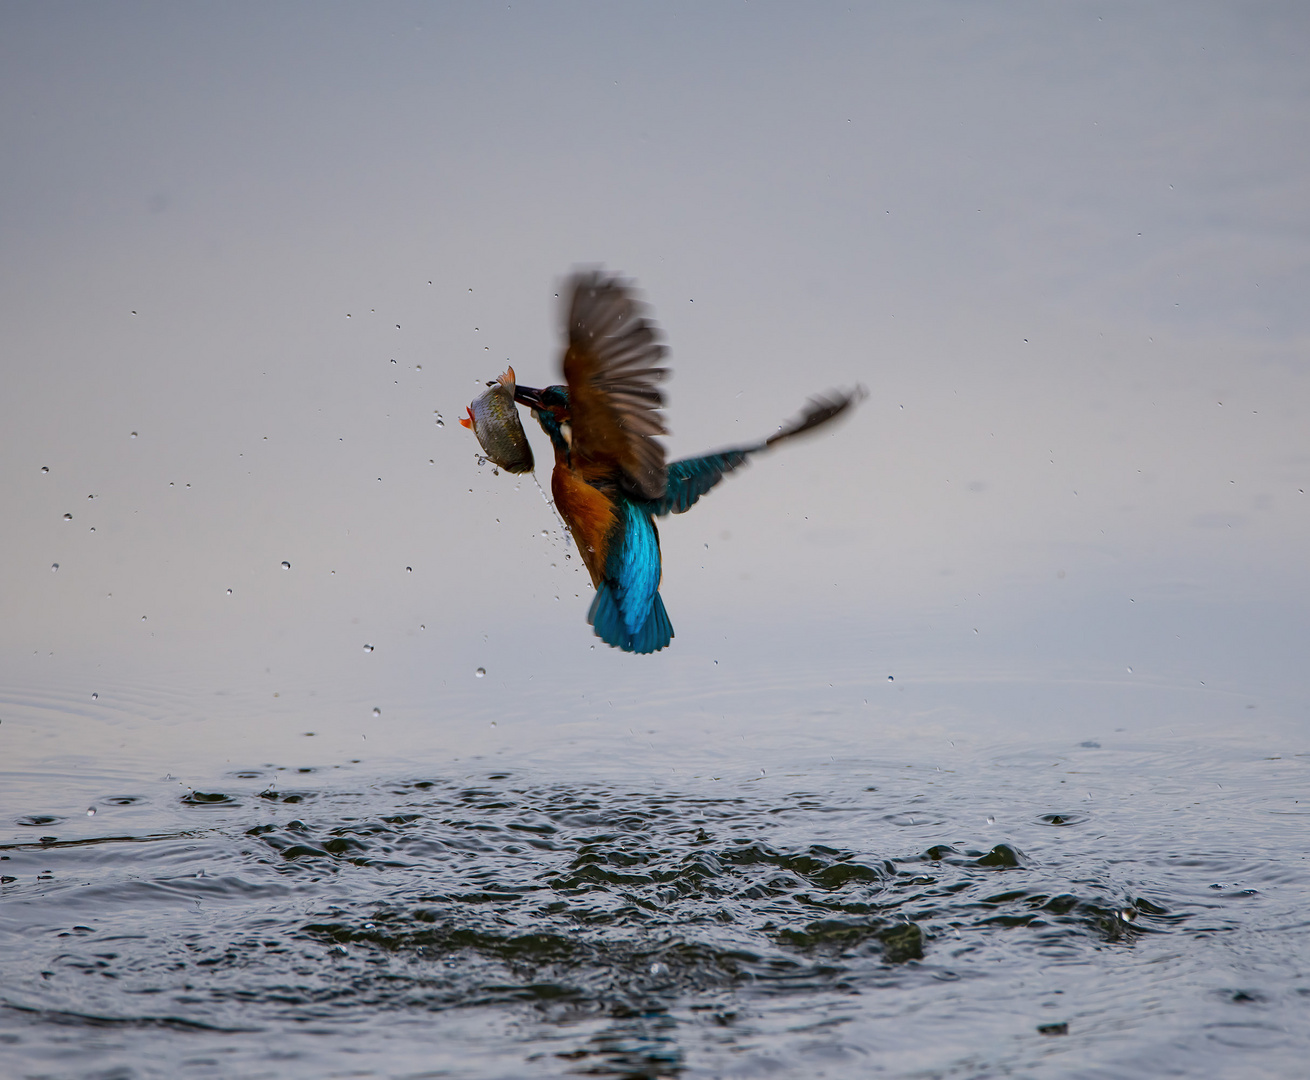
[1066,247]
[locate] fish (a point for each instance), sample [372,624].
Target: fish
[494,419]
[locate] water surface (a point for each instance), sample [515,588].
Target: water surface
[1120,907]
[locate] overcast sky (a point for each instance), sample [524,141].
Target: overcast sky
[251,254]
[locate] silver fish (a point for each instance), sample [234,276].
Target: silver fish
[494,419]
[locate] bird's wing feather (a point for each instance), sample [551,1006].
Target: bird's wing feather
[691,478]
[612,365]
[818,410]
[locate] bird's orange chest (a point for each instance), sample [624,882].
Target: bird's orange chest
[589,514]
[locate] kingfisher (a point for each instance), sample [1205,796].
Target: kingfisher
[610,480]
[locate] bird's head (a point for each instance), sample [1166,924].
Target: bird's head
[551,408]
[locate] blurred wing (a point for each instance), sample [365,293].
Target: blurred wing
[612,365]
[691,478]
[818,410]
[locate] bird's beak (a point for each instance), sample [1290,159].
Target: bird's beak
[526,395]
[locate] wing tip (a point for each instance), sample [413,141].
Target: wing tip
[819,410]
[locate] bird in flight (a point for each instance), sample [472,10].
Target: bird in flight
[610,480]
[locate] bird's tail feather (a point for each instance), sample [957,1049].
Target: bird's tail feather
[607,619]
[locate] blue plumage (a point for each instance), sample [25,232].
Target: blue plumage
[634,566]
[607,620]
[691,478]
[628,612]
[610,480]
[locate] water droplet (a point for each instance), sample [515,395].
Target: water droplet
[440,422]
[68,517]
[54,568]
[1130,671]
[45,468]
[481,673]
[133,435]
[368,648]
[397,326]
[95,696]
[229,592]
[659,969]
[393,360]
[991,820]
[90,811]
[891,678]
[143,618]
[377,712]
[286,565]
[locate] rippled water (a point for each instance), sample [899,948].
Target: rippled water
[1116,910]
[981,750]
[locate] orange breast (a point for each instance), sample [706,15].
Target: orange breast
[589,515]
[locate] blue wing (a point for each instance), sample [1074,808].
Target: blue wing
[691,478]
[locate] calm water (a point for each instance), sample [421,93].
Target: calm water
[1114,907]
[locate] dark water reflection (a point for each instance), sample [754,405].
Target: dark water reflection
[1058,911]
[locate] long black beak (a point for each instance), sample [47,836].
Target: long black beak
[526,395]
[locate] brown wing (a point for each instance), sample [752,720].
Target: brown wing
[612,366]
